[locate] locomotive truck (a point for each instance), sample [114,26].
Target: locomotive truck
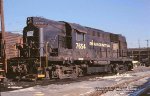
[59,49]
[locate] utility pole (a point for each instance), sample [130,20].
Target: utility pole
[139,50]
[148,50]
[46,48]
[3,63]
[3,35]
[2,21]
[147,43]
[2,18]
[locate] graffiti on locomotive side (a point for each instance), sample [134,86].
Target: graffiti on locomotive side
[80,46]
[92,43]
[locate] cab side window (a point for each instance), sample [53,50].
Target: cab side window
[80,36]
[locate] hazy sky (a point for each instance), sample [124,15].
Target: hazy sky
[130,18]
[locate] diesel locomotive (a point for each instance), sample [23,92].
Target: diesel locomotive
[59,49]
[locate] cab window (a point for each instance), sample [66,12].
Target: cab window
[80,36]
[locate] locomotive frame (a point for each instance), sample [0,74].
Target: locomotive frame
[58,49]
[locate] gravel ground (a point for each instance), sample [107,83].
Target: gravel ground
[88,86]
[131,89]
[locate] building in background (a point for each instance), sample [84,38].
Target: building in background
[139,54]
[11,39]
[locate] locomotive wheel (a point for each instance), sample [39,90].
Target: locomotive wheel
[59,73]
[126,67]
[110,68]
[80,72]
[130,66]
[116,68]
[84,71]
[50,73]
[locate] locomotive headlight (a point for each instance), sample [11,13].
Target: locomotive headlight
[30,33]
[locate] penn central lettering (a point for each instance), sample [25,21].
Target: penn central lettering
[92,43]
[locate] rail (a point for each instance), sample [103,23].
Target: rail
[121,85]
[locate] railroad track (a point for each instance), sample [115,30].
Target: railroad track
[120,86]
[96,92]
[145,90]
[11,84]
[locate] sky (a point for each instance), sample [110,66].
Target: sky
[130,18]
